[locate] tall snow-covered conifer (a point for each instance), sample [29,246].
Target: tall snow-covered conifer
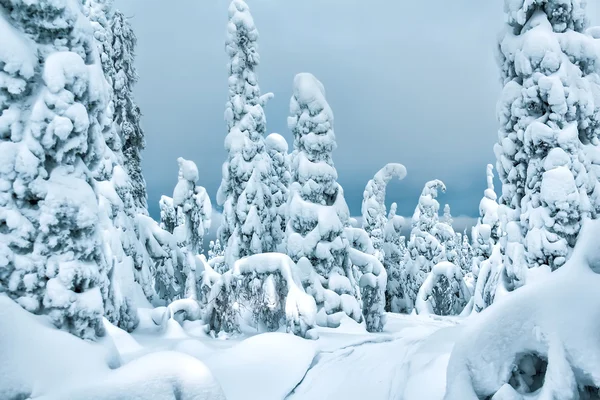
[394,251]
[52,114]
[127,114]
[245,191]
[318,212]
[277,148]
[548,116]
[373,204]
[424,249]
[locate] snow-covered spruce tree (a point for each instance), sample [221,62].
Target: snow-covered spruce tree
[277,149]
[486,233]
[193,207]
[52,113]
[216,256]
[193,210]
[487,257]
[424,249]
[447,237]
[245,191]
[373,205]
[318,212]
[372,277]
[168,215]
[394,251]
[127,114]
[548,116]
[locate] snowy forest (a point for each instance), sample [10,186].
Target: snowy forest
[294,298]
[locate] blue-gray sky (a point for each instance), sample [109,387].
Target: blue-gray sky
[413,82]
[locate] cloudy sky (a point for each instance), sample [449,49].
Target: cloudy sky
[413,82]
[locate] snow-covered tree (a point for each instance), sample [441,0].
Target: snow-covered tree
[443,292]
[548,115]
[394,250]
[445,234]
[216,256]
[486,233]
[245,191]
[168,214]
[447,218]
[53,101]
[466,252]
[277,149]
[318,212]
[487,251]
[424,249]
[373,205]
[127,114]
[193,207]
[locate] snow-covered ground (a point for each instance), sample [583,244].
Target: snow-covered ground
[406,361]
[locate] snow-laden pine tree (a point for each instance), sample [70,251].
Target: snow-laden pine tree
[127,114]
[277,149]
[193,207]
[487,252]
[447,237]
[373,204]
[193,210]
[486,233]
[424,248]
[168,214]
[245,191]
[318,212]
[548,115]
[53,98]
[394,251]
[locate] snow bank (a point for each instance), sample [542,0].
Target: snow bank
[265,367]
[162,375]
[36,357]
[543,340]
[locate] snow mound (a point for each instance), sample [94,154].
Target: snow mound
[37,358]
[541,342]
[163,375]
[284,359]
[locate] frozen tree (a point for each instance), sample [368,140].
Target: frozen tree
[373,205]
[245,191]
[168,215]
[487,231]
[277,149]
[447,219]
[372,277]
[394,250]
[193,207]
[548,115]
[466,253]
[443,292]
[445,234]
[318,212]
[216,256]
[127,114]
[424,249]
[53,101]
[193,210]
[487,257]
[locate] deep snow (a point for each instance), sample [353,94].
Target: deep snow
[182,362]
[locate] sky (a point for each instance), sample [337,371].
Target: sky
[413,82]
